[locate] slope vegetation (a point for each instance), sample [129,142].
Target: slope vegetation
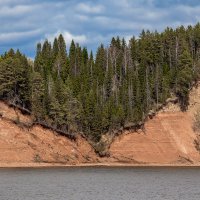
[168,138]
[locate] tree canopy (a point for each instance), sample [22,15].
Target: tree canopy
[120,85]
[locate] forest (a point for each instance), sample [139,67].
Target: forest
[116,86]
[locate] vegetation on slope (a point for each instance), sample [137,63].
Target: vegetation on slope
[118,87]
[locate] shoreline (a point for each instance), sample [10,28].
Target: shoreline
[97,165]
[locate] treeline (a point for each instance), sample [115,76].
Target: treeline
[77,91]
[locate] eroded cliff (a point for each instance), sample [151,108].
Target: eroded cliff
[168,138]
[37,144]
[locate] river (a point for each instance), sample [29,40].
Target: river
[100,184]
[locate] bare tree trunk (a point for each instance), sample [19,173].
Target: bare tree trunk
[157,85]
[107,59]
[147,89]
[59,69]
[125,60]
[75,65]
[91,69]
[97,91]
[170,59]
[193,55]
[130,95]
[177,46]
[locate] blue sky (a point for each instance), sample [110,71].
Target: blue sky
[23,23]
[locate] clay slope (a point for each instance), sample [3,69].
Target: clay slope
[38,145]
[168,138]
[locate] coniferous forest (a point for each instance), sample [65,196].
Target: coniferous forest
[116,86]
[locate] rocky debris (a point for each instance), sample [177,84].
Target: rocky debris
[172,100]
[151,114]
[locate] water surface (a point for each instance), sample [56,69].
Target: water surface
[100,184]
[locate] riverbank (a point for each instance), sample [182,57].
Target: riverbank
[167,140]
[110,165]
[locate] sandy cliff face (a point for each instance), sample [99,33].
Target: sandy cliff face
[20,145]
[168,138]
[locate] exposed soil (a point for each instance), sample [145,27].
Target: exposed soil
[168,139]
[38,145]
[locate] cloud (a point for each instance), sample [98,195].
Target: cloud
[12,37]
[6,11]
[95,9]
[83,17]
[81,39]
[88,22]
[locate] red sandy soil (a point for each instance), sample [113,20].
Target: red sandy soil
[38,145]
[168,140]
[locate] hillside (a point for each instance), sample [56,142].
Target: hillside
[79,104]
[168,138]
[76,91]
[22,146]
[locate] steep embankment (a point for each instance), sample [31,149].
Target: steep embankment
[168,138]
[20,145]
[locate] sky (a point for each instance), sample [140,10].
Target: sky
[24,23]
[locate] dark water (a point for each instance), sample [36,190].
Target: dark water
[100,184]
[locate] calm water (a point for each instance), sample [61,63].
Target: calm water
[100,184]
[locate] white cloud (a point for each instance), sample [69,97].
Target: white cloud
[88,22]
[59,17]
[120,24]
[188,9]
[16,10]
[82,7]
[13,36]
[5,2]
[82,17]
[81,39]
